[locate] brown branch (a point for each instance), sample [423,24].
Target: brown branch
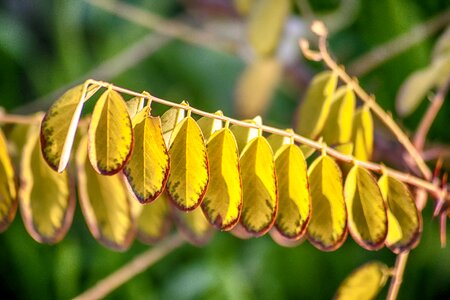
[369,61]
[131,269]
[397,277]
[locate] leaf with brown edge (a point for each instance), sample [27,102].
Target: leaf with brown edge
[147,170]
[259,184]
[60,124]
[362,136]
[105,204]
[327,228]
[154,220]
[367,219]
[294,200]
[364,283]
[169,121]
[8,191]
[110,134]
[46,198]
[405,222]
[189,173]
[222,203]
[194,226]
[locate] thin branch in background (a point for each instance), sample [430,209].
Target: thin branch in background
[430,115]
[436,152]
[19,119]
[369,61]
[397,277]
[166,27]
[136,266]
[107,70]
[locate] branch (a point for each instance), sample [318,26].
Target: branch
[131,269]
[19,119]
[397,278]
[369,61]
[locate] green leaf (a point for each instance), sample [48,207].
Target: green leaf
[8,192]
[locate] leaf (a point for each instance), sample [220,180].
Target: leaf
[110,134]
[46,200]
[153,222]
[147,170]
[223,200]
[281,240]
[210,125]
[277,141]
[243,135]
[363,283]
[442,46]
[243,6]
[265,25]
[294,200]
[316,104]
[367,219]
[327,228]
[134,106]
[194,226]
[405,223]
[338,127]
[362,135]
[259,184]
[256,86]
[189,173]
[169,120]
[8,192]
[105,204]
[60,124]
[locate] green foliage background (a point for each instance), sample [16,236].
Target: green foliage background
[47,44]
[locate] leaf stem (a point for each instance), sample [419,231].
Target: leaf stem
[131,269]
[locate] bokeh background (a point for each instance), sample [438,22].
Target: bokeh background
[47,46]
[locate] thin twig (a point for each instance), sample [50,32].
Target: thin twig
[430,115]
[131,269]
[397,278]
[18,119]
[369,61]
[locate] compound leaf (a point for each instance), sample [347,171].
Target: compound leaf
[8,192]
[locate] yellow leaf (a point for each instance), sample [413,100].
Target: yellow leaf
[405,223]
[148,168]
[169,120]
[315,105]
[189,173]
[338,126]
[193,226]
[277,141]
[367,219]
[244,135]
[363,283]
[256,86]
[153,222]
[46,200]
[243,6]
[266,23]
[294,200]
[223,199]
[327,228]
[105,204]
[134,106]
[259,184]
[210,125]
[8,192]
[362,135]
[110,134]
[60,124]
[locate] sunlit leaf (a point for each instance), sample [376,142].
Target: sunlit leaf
[154,222]
[223,199]
[194,226]
[259,184]
[148,168]
[60,124]
[243,6]
[134,106]
[266,22]
[277,141]
[169,120]
[189,173]
[315,106]
[367,219]
[244,135]
[327,228]
[110,134]
[338,127]
[294,200]
[105,204]
[210,125]
[364,282]
[442,46]
[405,223]
[8,192]
[256,86]
[45,197]
[362,135]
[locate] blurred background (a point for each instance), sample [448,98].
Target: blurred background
[217,54]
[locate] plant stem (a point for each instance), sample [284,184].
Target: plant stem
[397,278]
[131,269]
[19,119]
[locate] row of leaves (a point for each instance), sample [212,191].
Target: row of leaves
[230,172]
